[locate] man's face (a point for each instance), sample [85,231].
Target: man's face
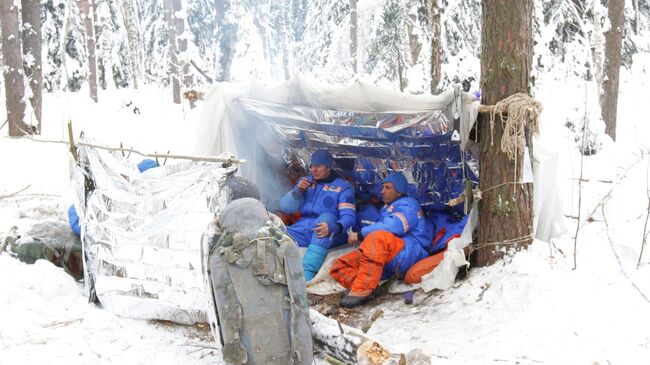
[319,172]
[388,193]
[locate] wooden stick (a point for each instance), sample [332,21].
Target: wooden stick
[73,148]
[375,316]
[154,155]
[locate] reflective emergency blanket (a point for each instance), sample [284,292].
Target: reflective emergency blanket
[141,233]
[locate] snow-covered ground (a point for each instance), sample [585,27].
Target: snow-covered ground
[528,309]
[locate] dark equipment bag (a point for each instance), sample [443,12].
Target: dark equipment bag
[258,289]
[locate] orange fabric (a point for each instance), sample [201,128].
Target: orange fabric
[423,267]
[289,218]
[427,264]
[344,269]
[361,270]
[439,235]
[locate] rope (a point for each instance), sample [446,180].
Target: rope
[517,112]
[512,241]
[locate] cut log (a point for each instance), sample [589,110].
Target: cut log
[348,344]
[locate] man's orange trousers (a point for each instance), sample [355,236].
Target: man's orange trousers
[360,270]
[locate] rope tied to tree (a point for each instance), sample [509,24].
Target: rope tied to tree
[517,112]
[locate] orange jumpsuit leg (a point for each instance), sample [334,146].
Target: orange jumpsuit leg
[361,270]
[344,269]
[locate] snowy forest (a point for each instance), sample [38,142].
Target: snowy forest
[412,46]
[559,276]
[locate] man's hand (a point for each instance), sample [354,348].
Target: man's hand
[303,185]
[322,230]
[353,238]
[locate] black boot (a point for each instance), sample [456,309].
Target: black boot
[351,301]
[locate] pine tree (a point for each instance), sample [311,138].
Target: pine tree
[54,13]
[386,57]
[505,211]
[74,49]
[89,36]
[129,15]
[155,43]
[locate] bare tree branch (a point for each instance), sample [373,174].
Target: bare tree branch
[645,226]
[582,159]
[618,259]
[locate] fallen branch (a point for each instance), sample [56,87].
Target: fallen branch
[57,324]
[485,288]
[348,347]
[375,316]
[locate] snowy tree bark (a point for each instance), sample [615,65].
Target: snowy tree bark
[597,42]
[93,4]
[181,38]
[89,36]
[13,67]
[505,210]
[227,38]
[32,46]
[411,29]
[613,42]
[434,11]
[635,19]
[285,39]
[172,56]
[354,38]
[133,36]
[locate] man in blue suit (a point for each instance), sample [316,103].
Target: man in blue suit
[395,242]
[327,207]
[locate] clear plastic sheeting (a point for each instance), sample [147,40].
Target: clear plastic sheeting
[141,233]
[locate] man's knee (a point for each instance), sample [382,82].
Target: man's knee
[381,245]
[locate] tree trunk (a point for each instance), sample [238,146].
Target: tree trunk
[89,34]
[13,67]
[505,211]
[227,38]
[184,65]
[597,44]
[168,6]
[103,29]
[354,38]
[286,42]
[434,11]
[32,40]
[93,4]
[133,36]
[403,83]
[414,39]
[613,41]
[635,19]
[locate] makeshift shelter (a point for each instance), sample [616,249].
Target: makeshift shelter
[371,132]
